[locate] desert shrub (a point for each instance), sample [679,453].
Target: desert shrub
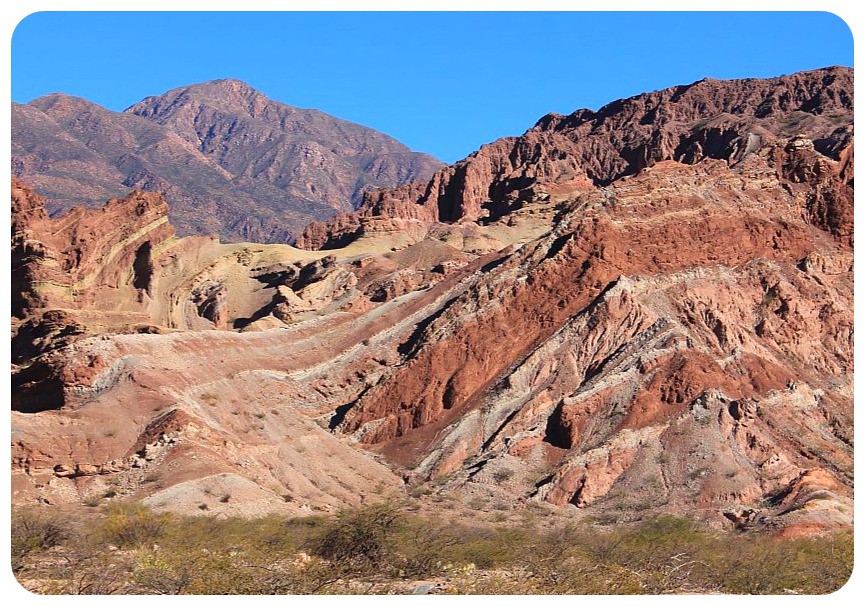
[88,569]
[488,548]
[34,531]
[502,475]
[195,555]
[236,556]
[423,546]
[151,477]
[376,548]
[477,503]
[421,490]
[132,525]
[467,581]
[194,571]
[271,536]
[359,538]
[676,555]
[765,565]
[660,555]
[93,500]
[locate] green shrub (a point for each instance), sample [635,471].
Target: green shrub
[194,571]
[377,548]
[132,525]
[502,475]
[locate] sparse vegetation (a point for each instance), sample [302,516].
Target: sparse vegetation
[503,475]
[132,526]
[34,531]
[477,503]
[93,500]
[359,539]
[151,477]
[382,547]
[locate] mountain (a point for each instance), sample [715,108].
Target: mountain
[229,160]
[721,119]
[557,323]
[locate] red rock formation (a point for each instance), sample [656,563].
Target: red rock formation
[828,185]
[565,271]
[84,259]
[679,340]
[668,223]
[708,119]
[71,260]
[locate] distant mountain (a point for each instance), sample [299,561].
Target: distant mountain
[229,160]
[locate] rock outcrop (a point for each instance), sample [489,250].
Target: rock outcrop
[666,333]
[78,260]
[720,119]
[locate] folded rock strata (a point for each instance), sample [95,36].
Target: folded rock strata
[645,309]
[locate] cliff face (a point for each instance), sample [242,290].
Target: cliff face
[230,161]
[708,119]
[86,267]
[73,261]
[554,321]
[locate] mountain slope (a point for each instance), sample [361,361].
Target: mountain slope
[304,153]
[293,165]
[664,350]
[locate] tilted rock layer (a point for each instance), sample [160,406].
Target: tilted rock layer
[641,310]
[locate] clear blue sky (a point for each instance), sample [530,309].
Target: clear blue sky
[442,83]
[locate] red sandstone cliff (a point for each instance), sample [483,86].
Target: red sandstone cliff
[70,260]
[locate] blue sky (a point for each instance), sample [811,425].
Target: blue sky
[443,83]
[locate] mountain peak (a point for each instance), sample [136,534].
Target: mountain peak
[227,94]
[61,102]
[229,82]
[224,86]
[264,168]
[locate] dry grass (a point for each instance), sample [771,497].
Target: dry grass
[382,548]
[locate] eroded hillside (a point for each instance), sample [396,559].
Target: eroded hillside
[549,321]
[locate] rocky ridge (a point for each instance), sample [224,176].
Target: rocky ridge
[720,119]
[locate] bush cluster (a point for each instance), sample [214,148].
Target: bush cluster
[381,547]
